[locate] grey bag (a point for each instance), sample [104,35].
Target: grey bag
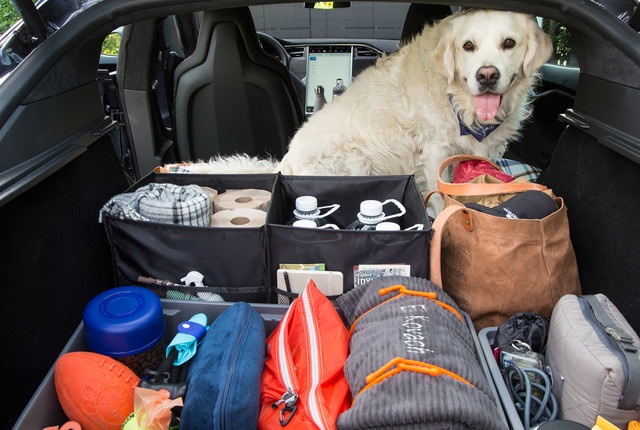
[593,355]
[400,328]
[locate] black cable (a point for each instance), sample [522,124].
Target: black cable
[522,392]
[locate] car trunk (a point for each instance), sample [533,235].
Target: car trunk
[56,257]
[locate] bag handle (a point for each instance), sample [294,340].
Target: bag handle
[480,189]
[435,269]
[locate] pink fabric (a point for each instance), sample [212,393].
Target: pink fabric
[465,171]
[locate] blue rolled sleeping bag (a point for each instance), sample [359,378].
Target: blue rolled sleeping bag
[224,377]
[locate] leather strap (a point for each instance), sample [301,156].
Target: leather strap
[626,344]
[469,189]
[428,196]
[436,241]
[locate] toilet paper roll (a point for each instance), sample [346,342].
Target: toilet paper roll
[213,194]
[238,218]
[242,199]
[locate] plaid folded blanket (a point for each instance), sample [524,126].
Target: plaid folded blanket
[519,170]
[162,203]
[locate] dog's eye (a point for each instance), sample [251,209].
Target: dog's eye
[509,44]
[468,46]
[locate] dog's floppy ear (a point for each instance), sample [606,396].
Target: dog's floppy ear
[539,48]
[443,57]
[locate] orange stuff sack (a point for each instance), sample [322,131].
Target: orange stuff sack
[303,384]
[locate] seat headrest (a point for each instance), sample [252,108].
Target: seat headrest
[420,15]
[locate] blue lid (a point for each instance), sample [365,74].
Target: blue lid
[123,321]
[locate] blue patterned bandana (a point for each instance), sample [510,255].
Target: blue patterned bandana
[478,133]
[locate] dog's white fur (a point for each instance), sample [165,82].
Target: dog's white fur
[399,117]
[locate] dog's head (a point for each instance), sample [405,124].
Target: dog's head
[488,58]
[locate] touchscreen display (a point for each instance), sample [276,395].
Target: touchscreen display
[329,67]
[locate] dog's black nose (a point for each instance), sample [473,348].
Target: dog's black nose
[487,76]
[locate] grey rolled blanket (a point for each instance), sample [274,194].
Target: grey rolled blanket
[400,332]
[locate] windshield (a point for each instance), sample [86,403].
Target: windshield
[362,20]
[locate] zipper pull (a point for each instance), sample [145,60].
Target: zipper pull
[289,398]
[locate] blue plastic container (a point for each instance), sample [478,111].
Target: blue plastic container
[124,323]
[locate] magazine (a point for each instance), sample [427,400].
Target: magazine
[364,273]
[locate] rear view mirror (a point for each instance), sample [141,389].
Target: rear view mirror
[327,5]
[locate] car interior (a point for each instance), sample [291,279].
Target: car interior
[193,80]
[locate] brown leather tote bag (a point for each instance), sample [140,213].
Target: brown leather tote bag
[495,267]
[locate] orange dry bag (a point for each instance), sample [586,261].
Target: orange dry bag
[303,384]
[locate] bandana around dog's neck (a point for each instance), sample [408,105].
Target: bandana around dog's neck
[480,132]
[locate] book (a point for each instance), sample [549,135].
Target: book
[364,273]
[300,266]
[330,283]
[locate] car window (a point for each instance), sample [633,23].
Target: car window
[8,15]
[111,44]
[563,54]
[362,20]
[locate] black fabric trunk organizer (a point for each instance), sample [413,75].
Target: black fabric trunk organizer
[241,263]
[341,250]
[232,260]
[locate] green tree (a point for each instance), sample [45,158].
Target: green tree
[111,44]
[8,15]
[562,43]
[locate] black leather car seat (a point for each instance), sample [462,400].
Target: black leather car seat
[230,96]
[418,15]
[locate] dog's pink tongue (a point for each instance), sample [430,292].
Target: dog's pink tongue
[487,106]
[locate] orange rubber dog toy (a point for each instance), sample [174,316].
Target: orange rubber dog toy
[95,390]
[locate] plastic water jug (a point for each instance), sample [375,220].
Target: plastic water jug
[371,214]
[339,88]
[307,210]
[320,100]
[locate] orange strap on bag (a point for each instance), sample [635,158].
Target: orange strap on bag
[405,291]
[470,189]
[436,238]
[402,364]
[303,384]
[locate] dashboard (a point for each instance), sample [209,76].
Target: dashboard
[328,73]
[331,66]
[322,63]
[363,55]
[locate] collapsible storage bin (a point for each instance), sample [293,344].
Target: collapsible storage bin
[341,250]
[44,410]
[232,259]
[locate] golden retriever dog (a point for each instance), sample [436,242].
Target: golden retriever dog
[461,86]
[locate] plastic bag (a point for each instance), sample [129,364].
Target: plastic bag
[151,410]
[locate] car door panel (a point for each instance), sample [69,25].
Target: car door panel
[68,122]
[55,258]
